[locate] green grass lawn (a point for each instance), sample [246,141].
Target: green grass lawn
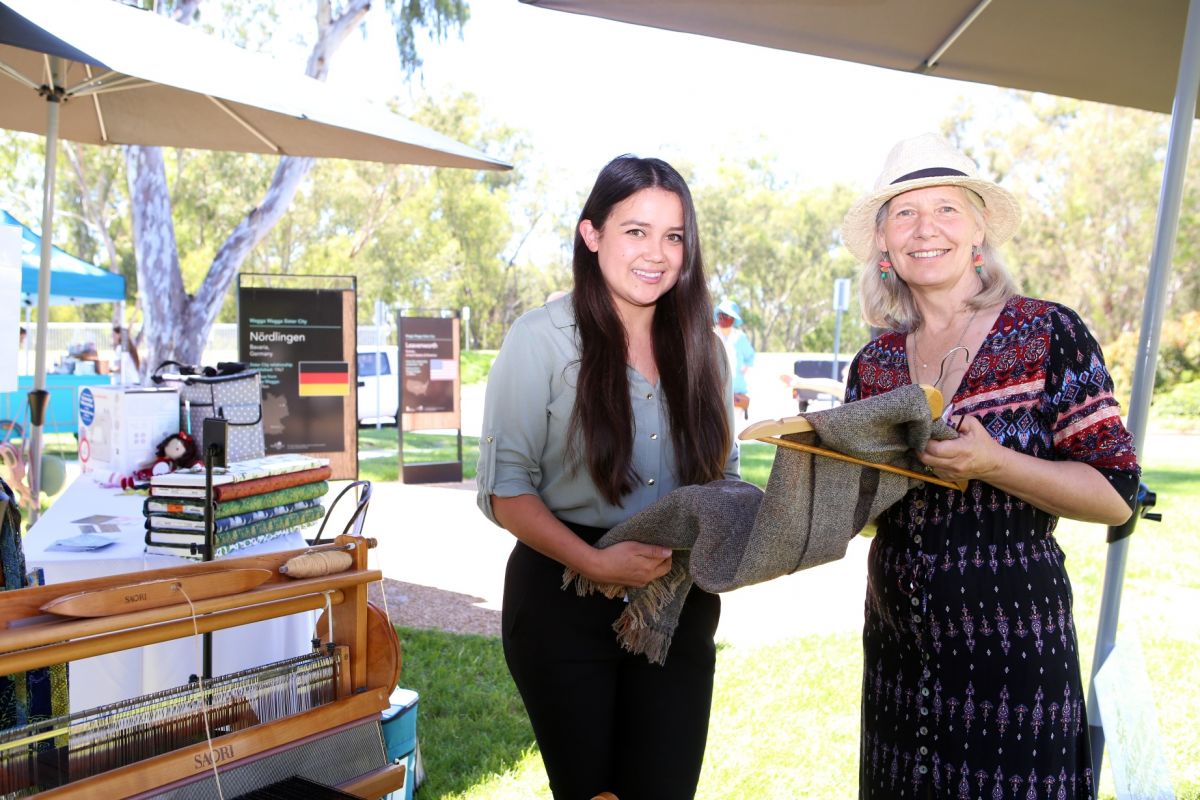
[785,715]
[418,448]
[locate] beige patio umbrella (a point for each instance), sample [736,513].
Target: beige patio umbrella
[99,72]
[1138,54]
[1111,51]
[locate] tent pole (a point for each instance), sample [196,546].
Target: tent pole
[36,415]
[1182,114]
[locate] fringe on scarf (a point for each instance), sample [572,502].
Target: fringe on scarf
[649,620]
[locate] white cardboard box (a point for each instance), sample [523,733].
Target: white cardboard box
[120,426]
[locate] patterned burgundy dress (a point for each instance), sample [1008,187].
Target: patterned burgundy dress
[971,681]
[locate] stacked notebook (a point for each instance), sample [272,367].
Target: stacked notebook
[253,501]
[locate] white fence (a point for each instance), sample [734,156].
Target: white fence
[222,342]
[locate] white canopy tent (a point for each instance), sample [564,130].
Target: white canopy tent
[98,72]
[1144,55]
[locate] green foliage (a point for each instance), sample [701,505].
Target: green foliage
[417,237]
[475,365]
[436,18]
[774,250]
[1178,358]
[1088,177]
[1181,403]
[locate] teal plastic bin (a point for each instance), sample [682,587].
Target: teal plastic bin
[400,738]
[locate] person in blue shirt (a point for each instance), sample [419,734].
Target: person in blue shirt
[738,350]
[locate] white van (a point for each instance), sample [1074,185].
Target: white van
[378,384]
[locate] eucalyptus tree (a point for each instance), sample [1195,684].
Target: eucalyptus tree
[177,322]
[774,249]
[1088,177]
[419,237]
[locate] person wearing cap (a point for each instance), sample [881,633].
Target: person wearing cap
[971,678]
[598,404]
[738,350]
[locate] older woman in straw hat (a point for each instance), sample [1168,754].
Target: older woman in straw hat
[971,680]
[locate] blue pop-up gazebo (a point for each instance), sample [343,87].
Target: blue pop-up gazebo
[73,281]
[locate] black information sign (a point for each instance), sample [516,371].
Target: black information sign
[293,337]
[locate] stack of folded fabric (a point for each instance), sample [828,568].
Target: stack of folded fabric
[253,501]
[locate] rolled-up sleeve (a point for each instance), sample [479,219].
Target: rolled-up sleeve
[513,437]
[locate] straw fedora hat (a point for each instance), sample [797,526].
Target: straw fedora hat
[927,160]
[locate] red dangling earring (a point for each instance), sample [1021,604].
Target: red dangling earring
[978,260]
[885,265]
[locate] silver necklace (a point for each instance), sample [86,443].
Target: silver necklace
[962,335]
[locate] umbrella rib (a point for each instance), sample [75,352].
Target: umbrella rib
[931,63]
[97,84]
[99,110]
[254,131]
[19,77]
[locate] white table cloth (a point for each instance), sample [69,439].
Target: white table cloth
[87,507]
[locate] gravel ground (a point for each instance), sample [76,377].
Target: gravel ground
[415,606]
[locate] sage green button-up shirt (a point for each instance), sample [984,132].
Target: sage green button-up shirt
[530,394]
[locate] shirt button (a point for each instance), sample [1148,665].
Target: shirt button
[491,439]
[916,601]
[650,482]
[923,730]
[924,750]
[924,711]
[917,539]
[654,436]
[924,692]
[923,769]
[649,395]
[916,617]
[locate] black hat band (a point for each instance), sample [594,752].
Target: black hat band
[931,172]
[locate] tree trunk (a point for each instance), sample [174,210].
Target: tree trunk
[160,285]
[177,325]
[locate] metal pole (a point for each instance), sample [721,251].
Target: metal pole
[1182,114]
[837,341]
[43,305]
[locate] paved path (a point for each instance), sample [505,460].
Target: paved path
[435,536]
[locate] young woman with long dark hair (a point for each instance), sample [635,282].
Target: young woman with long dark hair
[599,404]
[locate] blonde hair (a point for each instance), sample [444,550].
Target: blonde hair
[889,303]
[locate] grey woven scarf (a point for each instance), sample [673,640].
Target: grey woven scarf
[728,534]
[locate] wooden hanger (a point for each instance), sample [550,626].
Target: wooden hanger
[770,431]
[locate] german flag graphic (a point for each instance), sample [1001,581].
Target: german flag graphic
[324,379]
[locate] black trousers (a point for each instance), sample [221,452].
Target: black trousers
[606,719]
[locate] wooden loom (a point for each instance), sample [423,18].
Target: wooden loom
[315,715]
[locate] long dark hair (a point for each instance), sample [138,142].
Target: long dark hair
[685,349]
